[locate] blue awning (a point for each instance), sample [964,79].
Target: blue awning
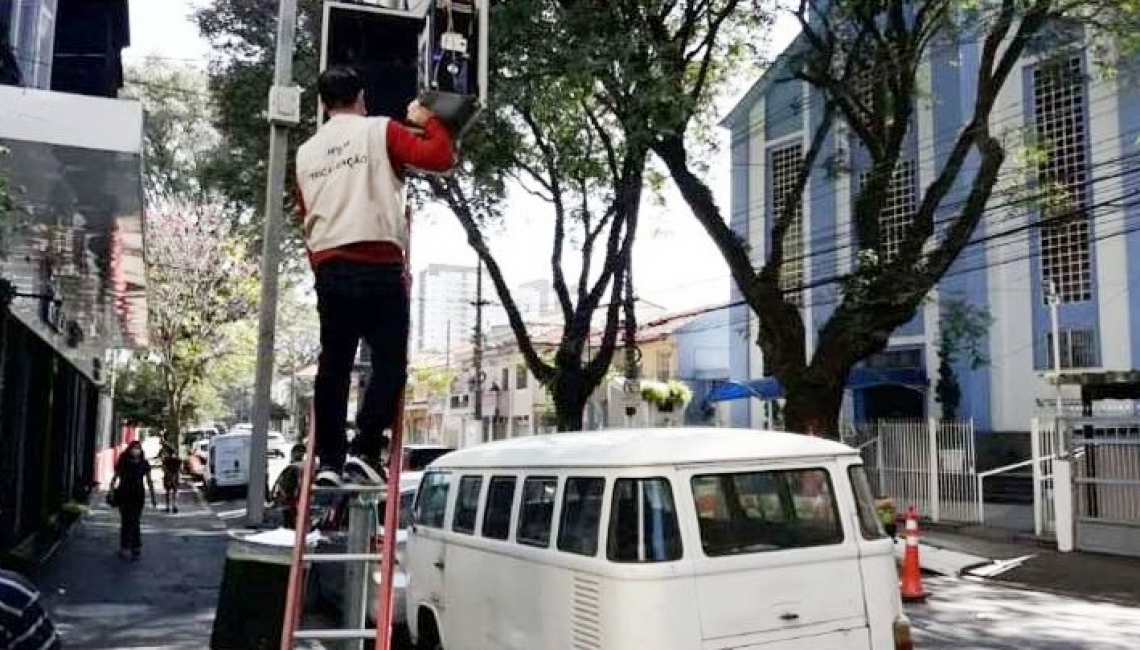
[769,388]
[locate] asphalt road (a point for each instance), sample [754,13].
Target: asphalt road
[968,613]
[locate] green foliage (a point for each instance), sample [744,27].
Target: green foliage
[177,134]
[243,36]
[962,336]
[668,394]
[140,394]
[437,380]
[963,331]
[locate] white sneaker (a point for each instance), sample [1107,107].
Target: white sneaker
[359,471]
[329,478]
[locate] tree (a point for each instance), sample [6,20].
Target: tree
[549,133]
[140,394]
[202,286]
[243,35]
[862,63]
[530,136]
[961,336]
[177,134]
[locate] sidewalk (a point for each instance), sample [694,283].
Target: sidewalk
[165,600]
[1027,564]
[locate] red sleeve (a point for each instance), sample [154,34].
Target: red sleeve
[433,152]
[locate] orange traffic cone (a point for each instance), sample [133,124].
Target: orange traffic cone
[912,591]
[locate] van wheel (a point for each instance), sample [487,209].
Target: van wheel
[429,633]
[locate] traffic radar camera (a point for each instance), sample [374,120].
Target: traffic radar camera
[433,50]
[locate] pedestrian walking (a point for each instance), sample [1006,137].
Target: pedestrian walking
[24,625]
[351,195]
[128,495]
[287,489]
[171,476]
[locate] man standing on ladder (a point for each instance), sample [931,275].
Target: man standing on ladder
[350,177]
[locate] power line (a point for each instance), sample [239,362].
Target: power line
[952,273]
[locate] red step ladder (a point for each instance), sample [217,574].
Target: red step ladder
[295,596]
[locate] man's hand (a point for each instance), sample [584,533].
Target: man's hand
[418,114]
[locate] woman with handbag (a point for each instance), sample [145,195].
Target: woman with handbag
[128,495]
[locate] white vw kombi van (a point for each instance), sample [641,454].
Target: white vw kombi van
[669,539]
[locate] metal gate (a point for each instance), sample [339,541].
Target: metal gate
[930,465]
[1105,453]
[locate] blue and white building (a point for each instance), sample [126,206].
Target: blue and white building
[1091,120]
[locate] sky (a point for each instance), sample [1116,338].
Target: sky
[675,263]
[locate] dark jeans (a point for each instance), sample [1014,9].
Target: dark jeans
[130,532]
[359,301]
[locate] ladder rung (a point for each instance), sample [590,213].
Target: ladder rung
[342,557]
[335,635]
[349,489]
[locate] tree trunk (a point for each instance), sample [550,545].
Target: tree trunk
[812,404]
[570,394]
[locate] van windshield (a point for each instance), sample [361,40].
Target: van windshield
[752,512]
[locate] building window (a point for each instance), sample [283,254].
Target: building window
[1059,116]
[898,209]
[786,164]
[664,365]
[1079,349]
[520,376]
[506,385]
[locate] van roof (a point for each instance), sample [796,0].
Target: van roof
[642,447]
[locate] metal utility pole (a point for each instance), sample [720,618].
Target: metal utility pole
[479,353]
[1054,317]
[284,113]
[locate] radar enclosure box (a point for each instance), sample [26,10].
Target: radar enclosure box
[433,50]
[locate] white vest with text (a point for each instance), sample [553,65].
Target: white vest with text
[350,190]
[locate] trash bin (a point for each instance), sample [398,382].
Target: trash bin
[251,602]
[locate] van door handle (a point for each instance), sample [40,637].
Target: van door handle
[439,564]
[789,616]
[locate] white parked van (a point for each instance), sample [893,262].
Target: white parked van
[668,539]
[228,463]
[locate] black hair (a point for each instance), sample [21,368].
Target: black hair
[339,87]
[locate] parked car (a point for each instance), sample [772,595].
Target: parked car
[418,457]
[278,447]
[228,462]
[328,579]
[198,457]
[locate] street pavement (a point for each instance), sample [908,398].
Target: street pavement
[168,598]
[971,613]
[1027,564]
[165,600]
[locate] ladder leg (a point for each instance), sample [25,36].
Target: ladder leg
[294,596]
[392,506]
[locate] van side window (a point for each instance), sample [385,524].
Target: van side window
[766,511]
[431,503]
[467,504]
[643,522]
[869,523]
[497,514]
[536,514]
[581,515]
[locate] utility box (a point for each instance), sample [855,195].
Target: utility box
[433,50]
